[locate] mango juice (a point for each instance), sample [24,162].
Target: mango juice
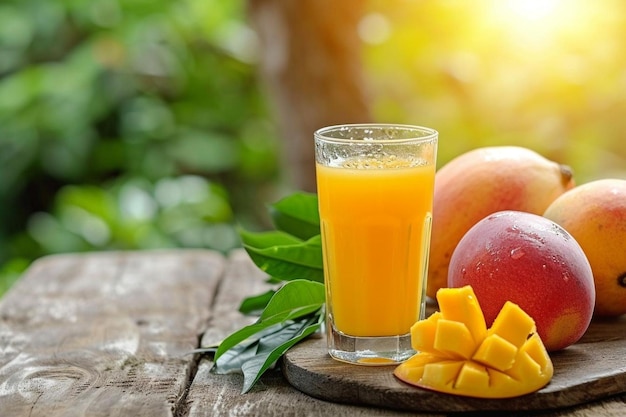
[375,224]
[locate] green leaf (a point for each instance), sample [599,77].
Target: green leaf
[263,240]
[241,336]
[295,299]
[280,256]
[297,214]
[256,303]
[270,349]
[233,359]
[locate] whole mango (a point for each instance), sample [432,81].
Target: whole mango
[481,182]
[595,214]
[533,262]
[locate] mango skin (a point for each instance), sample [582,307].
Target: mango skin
[595,214]
[533,262]
[481,182]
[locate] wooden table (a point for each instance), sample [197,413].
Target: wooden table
[109,334]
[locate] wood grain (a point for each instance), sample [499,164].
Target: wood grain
[212,395]
[104,334]
[107,334]
[592,369]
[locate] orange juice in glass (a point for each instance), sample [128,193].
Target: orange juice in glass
[375,188]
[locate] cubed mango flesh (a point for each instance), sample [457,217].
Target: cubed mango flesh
[423,333]
[457,354]
[461,304]
[441,373]
[512,324]
[496,353]
[454,338]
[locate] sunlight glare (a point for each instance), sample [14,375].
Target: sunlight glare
[533,9]
[541,23]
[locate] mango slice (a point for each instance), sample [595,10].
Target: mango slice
[457,354]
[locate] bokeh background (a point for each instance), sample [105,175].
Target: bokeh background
[141,124]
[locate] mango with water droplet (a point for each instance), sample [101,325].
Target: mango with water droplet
[533,262]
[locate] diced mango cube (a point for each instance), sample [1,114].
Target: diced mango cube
[537,351]
[496,352]
[524,367]
[415,366]
[472,377]
[460,304]
[458,355]
[454,338]
[410,373]
[442,373]
[513,324]
[423,333]
[507,386]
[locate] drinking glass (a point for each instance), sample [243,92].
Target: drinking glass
[375,188]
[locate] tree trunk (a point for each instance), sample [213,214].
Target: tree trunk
[311,64]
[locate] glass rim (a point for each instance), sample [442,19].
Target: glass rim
[425,134]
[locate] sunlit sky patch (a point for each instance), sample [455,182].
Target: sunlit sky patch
[546,73]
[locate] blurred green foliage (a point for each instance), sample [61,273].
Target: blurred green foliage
[132,124]
[127,124]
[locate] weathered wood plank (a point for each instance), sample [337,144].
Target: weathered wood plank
[220,395]
[108,334]
[104,334]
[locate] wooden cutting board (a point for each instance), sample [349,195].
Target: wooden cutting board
[593,368]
